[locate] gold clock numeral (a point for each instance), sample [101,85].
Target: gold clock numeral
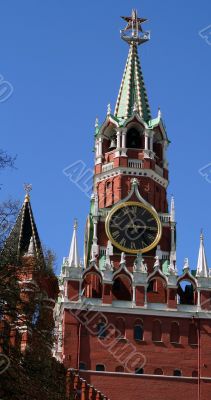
[143,244]
[123,242]
[116,234]
[132,245]
[134,210]
[150,236]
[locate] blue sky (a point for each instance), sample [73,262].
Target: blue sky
[65,61]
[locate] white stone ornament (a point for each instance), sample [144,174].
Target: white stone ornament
[202,267]
[123,259]
[108,264]
[157,263]
[186,267]
[139,265]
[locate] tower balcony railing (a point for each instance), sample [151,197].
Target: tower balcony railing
[107,167]
[135,163]
[164,217]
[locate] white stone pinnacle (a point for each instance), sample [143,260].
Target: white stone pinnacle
[74,259]
[202,267]
[172,209]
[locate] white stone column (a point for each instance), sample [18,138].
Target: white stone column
[198,299]
[97,148]
[118,135]
[124,138]
[124,150]
[99,151]
[118,147]
[165,162]
[146,142]
[100,147]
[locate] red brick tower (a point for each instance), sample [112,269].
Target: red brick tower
[31,298]
[127,321]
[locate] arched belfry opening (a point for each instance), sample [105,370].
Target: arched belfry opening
[133,139]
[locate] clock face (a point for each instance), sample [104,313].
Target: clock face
[133,227]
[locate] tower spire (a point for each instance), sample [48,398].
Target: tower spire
[202,267]
[73,258]
[132,94]
[23,238]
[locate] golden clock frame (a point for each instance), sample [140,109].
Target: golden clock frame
[142,205]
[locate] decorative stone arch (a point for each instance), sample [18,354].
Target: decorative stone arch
[92,284]
[135,135]
[136,119]
[187,294]
[122,286]
[157,288]
[108,133]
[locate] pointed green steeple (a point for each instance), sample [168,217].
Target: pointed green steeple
[132,94]
[23,238]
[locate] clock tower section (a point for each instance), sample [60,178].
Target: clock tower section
[131,166]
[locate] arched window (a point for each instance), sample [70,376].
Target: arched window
[158,371]
[177,372]
[122,289]
[192,334]
[82,366]
[156,291]
[92,286]
[139,371]
[156,331]
[101,329]
[175,333]
[119,369]
[120,328]
[186,292]
[133,139]
[138,331]
[100,367]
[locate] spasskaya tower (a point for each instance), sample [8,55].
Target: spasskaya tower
[129,208]
[126,320]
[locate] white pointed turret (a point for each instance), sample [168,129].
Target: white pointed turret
[202,267]
[172,209]
[74,259]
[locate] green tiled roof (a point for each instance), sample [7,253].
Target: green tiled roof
[132,93]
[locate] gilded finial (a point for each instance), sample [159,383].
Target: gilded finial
[28,189]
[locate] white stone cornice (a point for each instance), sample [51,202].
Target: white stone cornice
[138,172]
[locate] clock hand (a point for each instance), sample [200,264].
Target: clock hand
[151,228]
